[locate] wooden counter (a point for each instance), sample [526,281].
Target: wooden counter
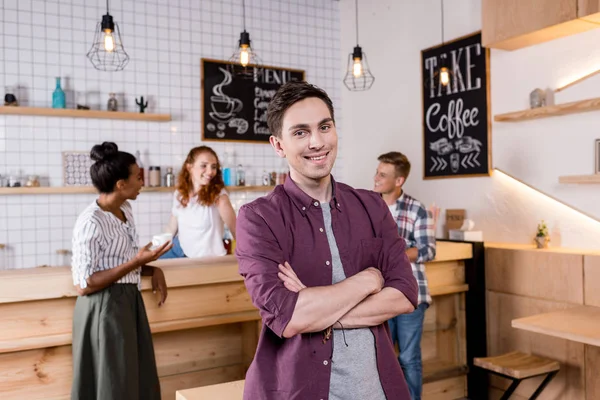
[205,333]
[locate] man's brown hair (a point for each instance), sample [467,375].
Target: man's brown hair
[398,160]
[288,95]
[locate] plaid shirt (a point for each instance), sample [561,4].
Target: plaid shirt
[415,225]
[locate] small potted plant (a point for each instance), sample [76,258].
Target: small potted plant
[542,238]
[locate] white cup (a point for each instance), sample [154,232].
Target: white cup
[159,240]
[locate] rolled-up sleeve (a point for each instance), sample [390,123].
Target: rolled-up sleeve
[395,265]
[259,254]
[424,233]
[87,248]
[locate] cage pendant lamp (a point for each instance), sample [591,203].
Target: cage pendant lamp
[107,52]
[244,62]
[358,74]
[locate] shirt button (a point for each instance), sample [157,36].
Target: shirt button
[303,208]
[316,203]
[325,362]
[321,229]
[326,262]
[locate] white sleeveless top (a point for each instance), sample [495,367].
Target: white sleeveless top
[200,228]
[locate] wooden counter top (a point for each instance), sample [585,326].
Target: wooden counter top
[532,247]
[578,324]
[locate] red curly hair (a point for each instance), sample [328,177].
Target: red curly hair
[208,194]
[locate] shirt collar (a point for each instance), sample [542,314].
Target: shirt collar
[304,202]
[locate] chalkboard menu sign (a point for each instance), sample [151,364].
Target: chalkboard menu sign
[456,120]
[235,109]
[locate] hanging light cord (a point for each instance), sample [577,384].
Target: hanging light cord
[356,22]
[244,13]
[442,9]
[107,6]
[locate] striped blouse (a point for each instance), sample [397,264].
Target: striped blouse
[102,241]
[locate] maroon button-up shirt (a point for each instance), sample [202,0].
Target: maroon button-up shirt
[286,226]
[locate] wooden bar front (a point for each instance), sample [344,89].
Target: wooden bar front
[207,331]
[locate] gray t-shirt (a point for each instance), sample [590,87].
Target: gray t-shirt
[354,373]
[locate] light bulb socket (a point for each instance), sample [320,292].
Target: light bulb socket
[107,23]
[357,53]
[443,62]
[244,39]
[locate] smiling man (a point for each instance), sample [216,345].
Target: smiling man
[417,228]
[325,266]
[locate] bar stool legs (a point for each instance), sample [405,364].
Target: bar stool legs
[516,382]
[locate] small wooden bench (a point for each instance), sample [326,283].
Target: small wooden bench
[518,366]
[223,391]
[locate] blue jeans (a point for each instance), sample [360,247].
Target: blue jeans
[406,330]
[175,252]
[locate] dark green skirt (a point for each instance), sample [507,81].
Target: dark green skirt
[113,354]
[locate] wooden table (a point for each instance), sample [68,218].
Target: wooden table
[578,324]
[224,391]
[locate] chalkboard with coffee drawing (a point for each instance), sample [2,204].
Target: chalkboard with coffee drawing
[456,116]
[235,109]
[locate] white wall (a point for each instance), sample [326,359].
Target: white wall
[388,117]
[165,39]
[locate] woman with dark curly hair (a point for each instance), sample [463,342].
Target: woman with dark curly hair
[113,354]
[201,206]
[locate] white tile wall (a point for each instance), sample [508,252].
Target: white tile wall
[41,40]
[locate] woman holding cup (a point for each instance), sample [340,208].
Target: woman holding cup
[113,354]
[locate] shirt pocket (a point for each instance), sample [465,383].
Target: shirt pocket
[370,253]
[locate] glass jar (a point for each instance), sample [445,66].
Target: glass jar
[169,178]
[32,181]
[240,176]
[112,103]
[154,176]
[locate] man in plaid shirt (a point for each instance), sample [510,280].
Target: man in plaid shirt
[416,226]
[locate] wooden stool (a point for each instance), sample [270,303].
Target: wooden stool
[517,366]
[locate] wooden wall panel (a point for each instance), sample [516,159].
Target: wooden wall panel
[447,389]
[52,320]
[446,273]
[191,357]
[592,372]
[544,275]
[197,349]
[36,374]
[36,318]
[591,272]
[199,301]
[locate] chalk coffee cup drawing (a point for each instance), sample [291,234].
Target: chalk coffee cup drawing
[159,240]
[454,161]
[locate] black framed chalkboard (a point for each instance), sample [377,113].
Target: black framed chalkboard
[235,109]
[456,117]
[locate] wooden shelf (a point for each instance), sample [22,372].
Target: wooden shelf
[73,113]
[89,189]
[579,179]
[550,111]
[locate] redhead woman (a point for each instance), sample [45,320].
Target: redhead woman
[201,207]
